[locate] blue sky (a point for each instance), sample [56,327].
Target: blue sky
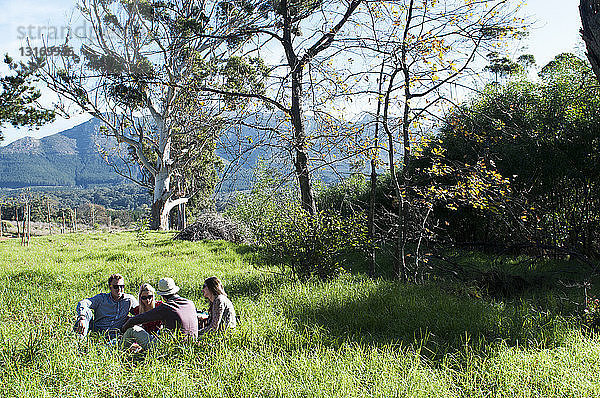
[555,29]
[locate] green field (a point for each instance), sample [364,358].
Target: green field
[349,337]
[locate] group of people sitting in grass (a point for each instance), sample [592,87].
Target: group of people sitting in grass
[119,316]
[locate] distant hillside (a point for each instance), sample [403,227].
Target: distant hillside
[69,158]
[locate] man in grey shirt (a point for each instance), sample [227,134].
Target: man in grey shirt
[105,313]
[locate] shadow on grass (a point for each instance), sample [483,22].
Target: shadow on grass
[252,286]
[423,316]
[36,279]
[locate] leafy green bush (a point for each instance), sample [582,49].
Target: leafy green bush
[268,204]
[311,245]
[315,245]
[348,196]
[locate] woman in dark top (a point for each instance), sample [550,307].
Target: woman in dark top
[147,302]
[221,314]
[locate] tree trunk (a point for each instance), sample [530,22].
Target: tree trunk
[371,217]
[589,10]
[373,185]
[162,180]
[160,220]
[301,157]
[402,200]
[399,255]
[181,218]
[156,220]
[404,204]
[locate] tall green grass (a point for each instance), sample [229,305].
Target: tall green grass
[349,337]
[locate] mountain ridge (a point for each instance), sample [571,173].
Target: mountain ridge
[71,158]
[67,158]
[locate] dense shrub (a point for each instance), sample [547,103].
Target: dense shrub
[311,245]
[545,137]
[268,204]
[316,245]
[346,197]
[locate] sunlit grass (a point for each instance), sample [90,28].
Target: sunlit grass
[349,337]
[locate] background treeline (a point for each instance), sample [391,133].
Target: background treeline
[514,170]
[117,205]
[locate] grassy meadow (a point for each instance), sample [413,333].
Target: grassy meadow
[349,337]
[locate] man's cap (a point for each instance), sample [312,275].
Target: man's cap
[166,287]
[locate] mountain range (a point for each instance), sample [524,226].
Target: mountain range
[69,158]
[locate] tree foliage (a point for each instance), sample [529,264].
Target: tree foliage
[18,99]
[544,137]
[142,74]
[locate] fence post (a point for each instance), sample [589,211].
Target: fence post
[23,236]
[49,223]
[17,217]
[28,223]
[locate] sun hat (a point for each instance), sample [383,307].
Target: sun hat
[166,287]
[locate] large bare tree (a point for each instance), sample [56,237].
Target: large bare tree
[140,75]
[303,32]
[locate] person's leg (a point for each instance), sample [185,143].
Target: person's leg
[136,334]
